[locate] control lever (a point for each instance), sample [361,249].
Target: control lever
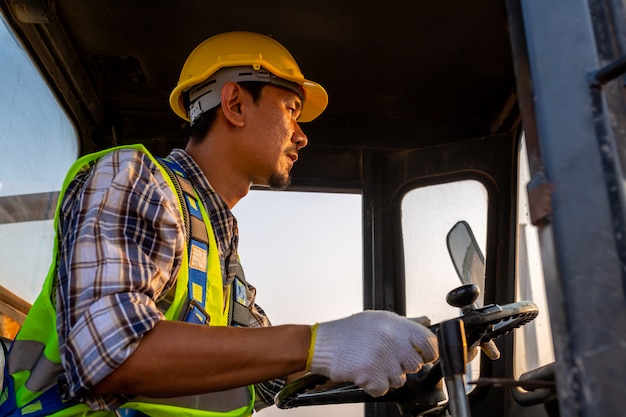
[464,297]
[453,358]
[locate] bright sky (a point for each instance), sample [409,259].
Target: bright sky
[303,253]
[300,247]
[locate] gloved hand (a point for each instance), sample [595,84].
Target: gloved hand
[373,349]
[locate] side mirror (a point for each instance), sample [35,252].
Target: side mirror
[468,260]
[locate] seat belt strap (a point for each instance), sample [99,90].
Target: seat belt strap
[197,244]
[239,314]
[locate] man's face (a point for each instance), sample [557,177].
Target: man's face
[274,137]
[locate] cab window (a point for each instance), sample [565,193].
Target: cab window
[430,217]
[38,143]
[303,253]
[533,347]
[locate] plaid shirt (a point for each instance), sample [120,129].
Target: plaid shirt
[121,239]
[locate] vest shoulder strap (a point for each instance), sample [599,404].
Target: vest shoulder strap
[195,229]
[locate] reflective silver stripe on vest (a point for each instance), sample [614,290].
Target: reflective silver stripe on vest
[27,355]
[221,401]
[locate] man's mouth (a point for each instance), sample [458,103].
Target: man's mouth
[293,156]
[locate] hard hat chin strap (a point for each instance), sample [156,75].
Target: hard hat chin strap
[205,96]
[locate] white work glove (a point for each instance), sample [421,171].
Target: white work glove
[373,349]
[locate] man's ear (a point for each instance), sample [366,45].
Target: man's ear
[232,103]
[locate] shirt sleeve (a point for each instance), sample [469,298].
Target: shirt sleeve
[121,238]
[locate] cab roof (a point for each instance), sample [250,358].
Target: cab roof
[400,75]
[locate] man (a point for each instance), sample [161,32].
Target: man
[129,240]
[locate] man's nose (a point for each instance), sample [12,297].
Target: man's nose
[299,138]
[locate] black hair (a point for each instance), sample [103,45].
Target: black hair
[199,129]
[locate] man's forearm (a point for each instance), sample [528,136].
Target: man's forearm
[178,358]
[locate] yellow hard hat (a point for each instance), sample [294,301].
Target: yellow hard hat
[245,50]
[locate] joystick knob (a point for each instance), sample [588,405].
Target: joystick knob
[463,296]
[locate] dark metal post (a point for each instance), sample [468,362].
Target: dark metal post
[581,231]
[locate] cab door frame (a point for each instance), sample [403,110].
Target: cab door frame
[576,190]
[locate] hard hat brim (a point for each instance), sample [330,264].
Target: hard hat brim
[316,100]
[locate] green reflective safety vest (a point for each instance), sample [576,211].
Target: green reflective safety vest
[34,361]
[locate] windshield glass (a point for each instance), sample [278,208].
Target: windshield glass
[38,143]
